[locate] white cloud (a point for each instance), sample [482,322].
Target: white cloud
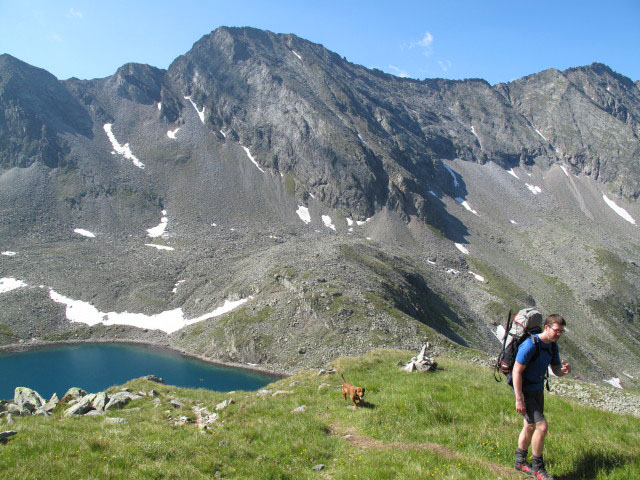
[445,65]
[55,37]
[75,13]
[398,72]
[425,43]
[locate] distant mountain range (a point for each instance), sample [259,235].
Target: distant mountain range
[265,201]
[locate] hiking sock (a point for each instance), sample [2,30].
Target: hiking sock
[521,455]
[521,464]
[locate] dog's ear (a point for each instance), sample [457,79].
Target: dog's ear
[363,390]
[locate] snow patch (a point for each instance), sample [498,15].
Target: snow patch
[252,159]
[511,172]
[326,219]
[462,248]
[172,133]
[159,229]
[453,174]
[433,193]
[514,222]
[619,210]
[564,169]
[362,222]
[123,150]
[168,321]
[615,382]
[466,205]
[159,106]
[452,271]
[8,253]
[480,278]
[538,132]
[200,113]
[303,213]
[296,54]
[629,375]
[534,189]
[431,262]
[350,222]
[9,283]
[159,247]
[223,134]
[84,233]
[175,287]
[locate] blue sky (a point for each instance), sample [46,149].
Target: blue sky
[497,40]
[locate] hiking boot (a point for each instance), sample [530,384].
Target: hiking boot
[541,474]
[524,468]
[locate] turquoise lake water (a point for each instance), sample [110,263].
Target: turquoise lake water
[97,366]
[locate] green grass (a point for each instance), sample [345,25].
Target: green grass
[459,407]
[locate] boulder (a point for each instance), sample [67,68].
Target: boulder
[14,409]
[80,408]
[28,399]
[153,378]
[300,409]
[73,393]
[100,401]
[225,404]
[119,400]
[52,403]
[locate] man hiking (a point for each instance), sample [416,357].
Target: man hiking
[529,373]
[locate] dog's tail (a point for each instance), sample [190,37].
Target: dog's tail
[343,380]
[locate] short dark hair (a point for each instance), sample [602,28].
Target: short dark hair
[555,319]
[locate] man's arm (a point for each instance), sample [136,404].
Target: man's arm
[559,370]
[518,368]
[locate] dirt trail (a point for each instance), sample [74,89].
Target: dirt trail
[361,441]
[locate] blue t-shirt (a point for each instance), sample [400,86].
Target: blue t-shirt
[533,376]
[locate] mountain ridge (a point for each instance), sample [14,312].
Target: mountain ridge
[267,157]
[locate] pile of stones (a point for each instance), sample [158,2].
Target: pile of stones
[421,363]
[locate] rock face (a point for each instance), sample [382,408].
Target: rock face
[352,209]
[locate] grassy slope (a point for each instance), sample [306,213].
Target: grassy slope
[456,423]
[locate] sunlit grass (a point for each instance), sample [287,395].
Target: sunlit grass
[459,407]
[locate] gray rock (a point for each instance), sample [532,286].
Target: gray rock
[73,393]
[52,403]
[94,413]
[153,378]
[80,408]
[115,421]
[28,399]
[318,467]
[119,400]
[225,404]
[300,409]
[177,403]
[100,401]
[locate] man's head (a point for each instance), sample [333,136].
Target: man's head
[554,327]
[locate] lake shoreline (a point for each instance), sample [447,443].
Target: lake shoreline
[24,347]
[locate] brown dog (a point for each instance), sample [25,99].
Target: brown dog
[355,393]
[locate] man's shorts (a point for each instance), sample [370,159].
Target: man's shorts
[534,404]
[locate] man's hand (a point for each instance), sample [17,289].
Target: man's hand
[566,368]
[520,408]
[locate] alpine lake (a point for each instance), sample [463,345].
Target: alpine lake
[97,366]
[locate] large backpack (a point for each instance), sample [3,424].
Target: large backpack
[525,323]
